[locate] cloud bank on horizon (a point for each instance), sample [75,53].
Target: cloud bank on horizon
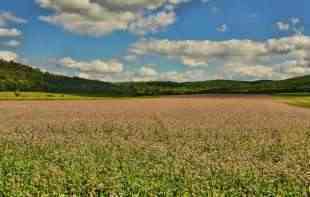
[152,40]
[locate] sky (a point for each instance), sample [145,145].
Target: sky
[159,40]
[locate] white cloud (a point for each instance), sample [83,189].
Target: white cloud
[246,71]
[205,1]
[282,26]
[192,62]
[116,73]
[148,71]
[4,32]
[12,43]
[8,56]
[92,67]
[201,52]
[113,71]
[79,24]
[292,25]
[153,23]
[97,17]
[6,17]
[295,20]
[270,59]
[206,60]
[222,28]
[186,75]
[145,73]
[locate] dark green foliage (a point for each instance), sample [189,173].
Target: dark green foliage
[18,77]
[301,84]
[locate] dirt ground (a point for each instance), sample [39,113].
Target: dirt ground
[210,112]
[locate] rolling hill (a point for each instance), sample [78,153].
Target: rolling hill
[17,77]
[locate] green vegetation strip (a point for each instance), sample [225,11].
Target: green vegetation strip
[296,99]
[35,96]
[16,96]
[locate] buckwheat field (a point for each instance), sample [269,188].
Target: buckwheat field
[169,146]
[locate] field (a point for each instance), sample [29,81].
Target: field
[169,146]
[30,96]
[301,100]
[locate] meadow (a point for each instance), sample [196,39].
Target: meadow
[45,96]
[296,99]
[233,145]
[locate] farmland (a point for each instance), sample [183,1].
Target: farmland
[17,96]
[297,99]
[170,146]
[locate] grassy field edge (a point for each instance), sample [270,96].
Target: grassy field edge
[294,99]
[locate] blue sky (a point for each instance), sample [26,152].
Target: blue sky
[177,40]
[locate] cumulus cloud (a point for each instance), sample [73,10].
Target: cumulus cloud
[200,52]
[205,1]
[196,74]
[291,25]
[8,56]
[205,60]
[245,71]
[270,59]
[4,32]
[282,26]
[192,62]
[149,73]
[295,20]
[92,67]
[12,43]
[144,73]
[114,71]
[101,17]
[153,23]
[6,17]
[222,28]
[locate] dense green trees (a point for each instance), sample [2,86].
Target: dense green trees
[18,77]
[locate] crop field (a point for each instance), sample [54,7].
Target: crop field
[169,146]
[43,96]
[301,100]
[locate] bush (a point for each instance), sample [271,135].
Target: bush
[17,93]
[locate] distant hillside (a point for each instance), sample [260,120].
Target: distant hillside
[300,84]
[18,77]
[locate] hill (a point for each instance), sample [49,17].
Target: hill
[18,77]
[294,85]
[204,87]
